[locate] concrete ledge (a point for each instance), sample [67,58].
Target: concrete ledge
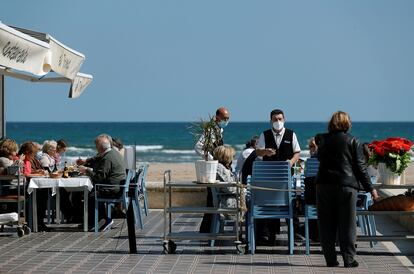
[406,221]
[180,196]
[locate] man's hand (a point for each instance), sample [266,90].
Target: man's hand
[269,152]
[80,161]
[82,169]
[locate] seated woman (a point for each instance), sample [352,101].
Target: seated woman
[29,150]
[224,155]
[48,157]
[250,147]
[8,156]
[61,146]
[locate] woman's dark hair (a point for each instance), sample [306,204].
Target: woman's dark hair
[252,142]
[62,144]
[116,142]
[27,148]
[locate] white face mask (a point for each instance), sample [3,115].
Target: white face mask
[278,125]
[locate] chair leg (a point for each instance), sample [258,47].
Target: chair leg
[146,203]
[291,237]
[96,216]
[251,235]
[307,235]
[109,209]
[215,227]
[137,213]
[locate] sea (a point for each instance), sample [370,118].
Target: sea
[167,142]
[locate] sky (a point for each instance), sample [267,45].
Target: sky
[180,60]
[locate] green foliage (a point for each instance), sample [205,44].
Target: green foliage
[209,132]
[395,162]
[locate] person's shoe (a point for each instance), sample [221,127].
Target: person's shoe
[43,227]
[353,264]
[262,240]
[107,225]
[334,264]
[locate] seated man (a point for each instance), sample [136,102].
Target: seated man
[107,167]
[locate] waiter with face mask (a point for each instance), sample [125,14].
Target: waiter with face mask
[275,144]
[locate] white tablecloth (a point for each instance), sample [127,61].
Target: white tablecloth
[45,182]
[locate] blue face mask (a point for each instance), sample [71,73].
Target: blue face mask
[223,124]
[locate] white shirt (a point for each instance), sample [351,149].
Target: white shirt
[199,146]
[242,158]
[278,139]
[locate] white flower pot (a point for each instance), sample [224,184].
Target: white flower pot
[386,176]
[206,171]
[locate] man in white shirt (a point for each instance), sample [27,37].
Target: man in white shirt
[275,144]
[278,143]
[221,118]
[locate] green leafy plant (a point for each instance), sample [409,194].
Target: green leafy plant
[209,133]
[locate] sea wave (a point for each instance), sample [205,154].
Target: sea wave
[142,148]
[176,151]
[80,150]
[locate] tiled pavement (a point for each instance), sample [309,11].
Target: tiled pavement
[66,250]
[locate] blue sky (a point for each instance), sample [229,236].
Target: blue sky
[180,60]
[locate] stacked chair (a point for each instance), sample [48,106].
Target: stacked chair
[271,197]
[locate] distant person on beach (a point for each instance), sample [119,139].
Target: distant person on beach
[342,170]
[107,168]
[221,118]
[275,144]
[313,148]
[250,147]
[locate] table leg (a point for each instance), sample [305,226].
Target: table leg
[85,209]
[57,206]
[34,210]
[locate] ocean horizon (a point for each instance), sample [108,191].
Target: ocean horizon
[172,141]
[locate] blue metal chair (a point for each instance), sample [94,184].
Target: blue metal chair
[124,198]
[311,169]
[217,224]
[366,222]
[137,194]
[273,203]
[143,171]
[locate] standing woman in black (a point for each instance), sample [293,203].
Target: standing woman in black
[342,172]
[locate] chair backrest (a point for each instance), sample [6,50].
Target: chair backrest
[142,172]
[271,175]
[311,167]
[129,177]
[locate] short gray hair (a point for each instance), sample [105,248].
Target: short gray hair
[104,140]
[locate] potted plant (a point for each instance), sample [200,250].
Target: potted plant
[209,134]
[392,158]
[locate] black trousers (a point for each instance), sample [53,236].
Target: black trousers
[205,226]
[336,207]
[103,193]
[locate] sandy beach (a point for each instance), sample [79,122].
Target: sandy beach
[186,172]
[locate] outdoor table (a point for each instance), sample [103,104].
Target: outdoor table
[73,184]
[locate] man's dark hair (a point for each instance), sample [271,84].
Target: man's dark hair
[276,112]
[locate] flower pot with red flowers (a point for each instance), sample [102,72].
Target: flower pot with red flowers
[392,157]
